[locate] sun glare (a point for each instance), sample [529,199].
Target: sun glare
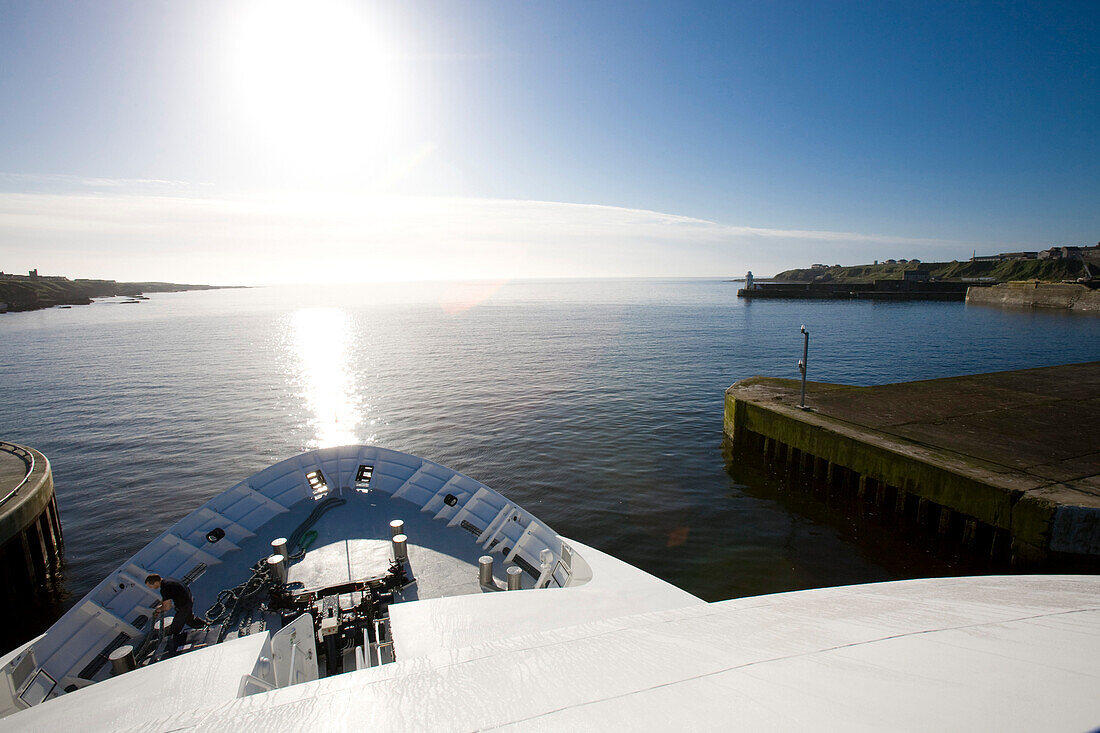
[317,83]
[321,338]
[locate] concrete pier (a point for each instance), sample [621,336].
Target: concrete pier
[1006,463]
[30,526]
[1056,296]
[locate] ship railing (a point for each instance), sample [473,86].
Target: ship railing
[27,457]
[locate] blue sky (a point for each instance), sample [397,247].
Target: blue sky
[522,139]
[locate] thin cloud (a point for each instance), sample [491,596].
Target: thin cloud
[282,238]
[98,183]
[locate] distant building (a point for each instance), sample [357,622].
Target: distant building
[914,262]
[902,262]
[819,266]
[1070,253]
[1005,256]
[891,262]
[33,274]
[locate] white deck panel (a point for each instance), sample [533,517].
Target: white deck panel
[616,589]
[984,653]
[1003,653]
[151,697]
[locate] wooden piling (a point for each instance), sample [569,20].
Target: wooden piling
[945,519]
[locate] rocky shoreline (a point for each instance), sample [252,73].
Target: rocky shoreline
[23,293]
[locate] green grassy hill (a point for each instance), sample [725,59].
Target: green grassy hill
[22,295]
[1046,270]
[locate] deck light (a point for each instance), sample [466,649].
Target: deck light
[317,482]
[363,477]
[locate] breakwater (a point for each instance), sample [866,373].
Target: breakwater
[1004,463]
[877,290]
[1057,296]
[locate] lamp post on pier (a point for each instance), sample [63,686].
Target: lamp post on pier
[802,364]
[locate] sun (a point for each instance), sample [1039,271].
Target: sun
[317,83]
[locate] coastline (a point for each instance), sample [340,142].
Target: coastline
[20,294]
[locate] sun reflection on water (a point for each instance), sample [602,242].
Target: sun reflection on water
[323,342]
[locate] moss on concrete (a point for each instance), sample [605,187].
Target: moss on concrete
[880,460]
[1020,502]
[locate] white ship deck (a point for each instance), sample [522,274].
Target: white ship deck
[347,496]
[340,502]
[604,646]
[998,653]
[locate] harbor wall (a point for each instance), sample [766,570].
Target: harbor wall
[31,543]
[877,290]
[940,490]
[1061,296]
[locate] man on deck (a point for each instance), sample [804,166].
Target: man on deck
[178,595]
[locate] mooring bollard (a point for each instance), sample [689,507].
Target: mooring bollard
[515,576]
[122,660]
[485,570]
[278,547]
[397,527]
[276,568]
[400,549]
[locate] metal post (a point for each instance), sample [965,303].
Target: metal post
[276,568]
[397,527]
[278,547]
[400,550]
[802,364]
[515,574]
[122,660]
[485,569]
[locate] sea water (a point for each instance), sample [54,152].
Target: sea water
[596,404]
